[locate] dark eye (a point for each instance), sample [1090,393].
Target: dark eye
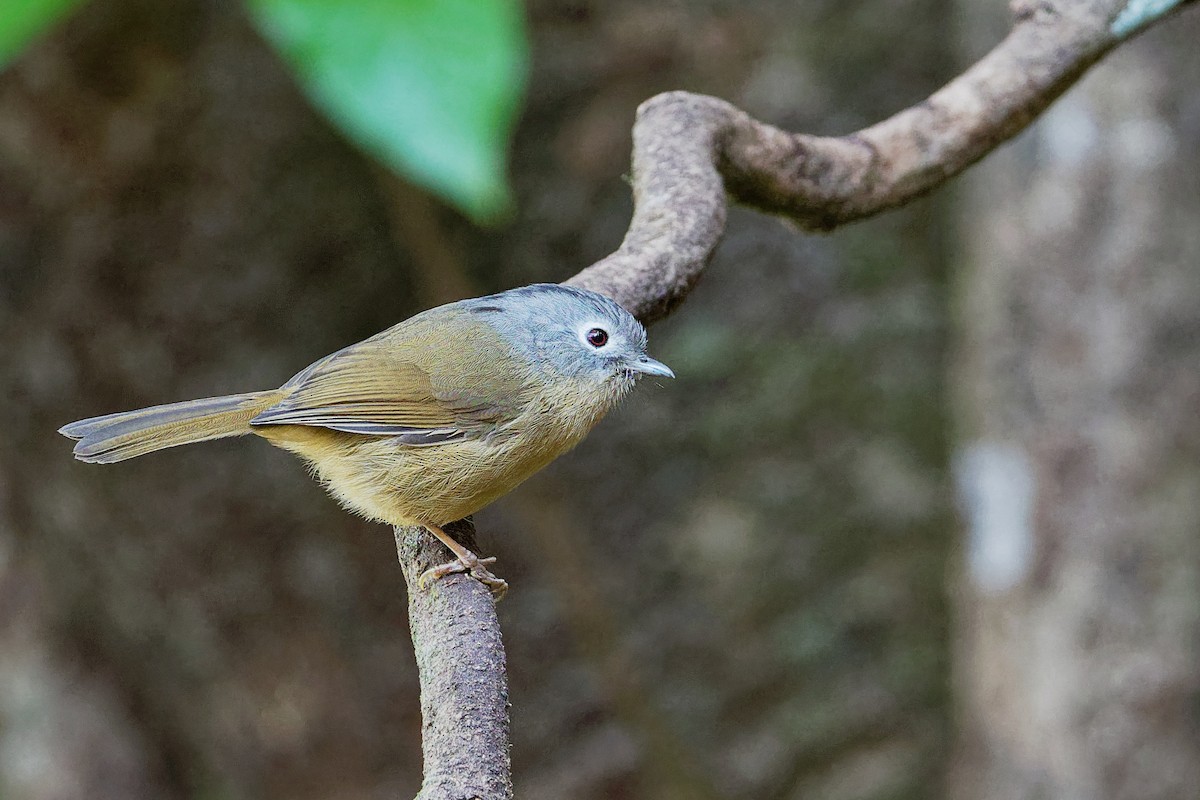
[597,337]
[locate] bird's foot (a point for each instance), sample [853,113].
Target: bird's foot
[472,565]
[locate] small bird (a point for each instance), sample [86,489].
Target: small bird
[430,420]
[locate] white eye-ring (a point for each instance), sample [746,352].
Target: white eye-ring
[596,337]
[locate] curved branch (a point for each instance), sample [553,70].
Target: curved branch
[690,150]
[460,661]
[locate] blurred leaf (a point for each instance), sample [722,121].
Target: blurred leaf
[429,86]
[21,20]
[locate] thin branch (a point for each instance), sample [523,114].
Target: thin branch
[689,152]
[464,684]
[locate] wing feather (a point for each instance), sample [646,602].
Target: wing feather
[384,387]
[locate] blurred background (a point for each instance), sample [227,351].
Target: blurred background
[919,518]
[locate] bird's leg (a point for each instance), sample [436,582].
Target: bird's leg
[466,562]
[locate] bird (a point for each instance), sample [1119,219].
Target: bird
[430,420]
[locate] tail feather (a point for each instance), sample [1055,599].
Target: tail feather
[116,437]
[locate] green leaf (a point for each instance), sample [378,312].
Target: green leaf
[431,87]
[21,20]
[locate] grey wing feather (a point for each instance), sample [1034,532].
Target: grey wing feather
[406,435]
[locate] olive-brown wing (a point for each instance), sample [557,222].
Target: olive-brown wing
[394,386]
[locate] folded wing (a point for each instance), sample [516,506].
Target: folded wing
[378,388]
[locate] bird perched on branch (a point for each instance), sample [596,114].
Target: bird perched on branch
[430,420]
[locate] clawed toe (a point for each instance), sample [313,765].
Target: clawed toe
[472,565]
[496,585]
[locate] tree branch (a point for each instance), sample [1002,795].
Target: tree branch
[460,661]
[689,152]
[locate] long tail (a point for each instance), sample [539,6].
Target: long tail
[116,437]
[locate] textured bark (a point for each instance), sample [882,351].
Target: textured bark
[689,150]
[464,688]
[1079,661]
